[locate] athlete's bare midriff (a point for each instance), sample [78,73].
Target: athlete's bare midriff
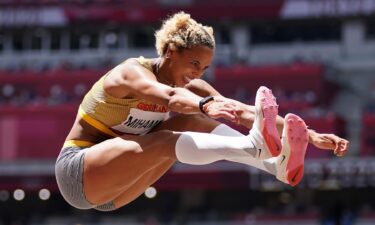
[83,131]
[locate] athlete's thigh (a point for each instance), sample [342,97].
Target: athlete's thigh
[192,122]
[114,165]
[143,183]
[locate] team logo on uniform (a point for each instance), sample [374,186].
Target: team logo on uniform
[152,107]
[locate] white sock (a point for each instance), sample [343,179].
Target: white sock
[203,148]
[267,165]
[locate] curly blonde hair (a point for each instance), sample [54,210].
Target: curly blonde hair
[183,32]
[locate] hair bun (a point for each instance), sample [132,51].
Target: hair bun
[182,20]
[181,31]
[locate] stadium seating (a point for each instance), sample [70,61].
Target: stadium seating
[368,135]
[48,100]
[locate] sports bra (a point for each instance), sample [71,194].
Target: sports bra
[116,116]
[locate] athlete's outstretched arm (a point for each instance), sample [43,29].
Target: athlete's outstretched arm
[131,80]
[246,118]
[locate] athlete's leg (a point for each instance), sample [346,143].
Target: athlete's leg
[274,166]
[188,122]
[268,165]
[202,123]
[111,167]
[194,122]
[142,184]
[114,165]
[288,167]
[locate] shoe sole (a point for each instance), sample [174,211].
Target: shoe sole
[269,109]
[297,138]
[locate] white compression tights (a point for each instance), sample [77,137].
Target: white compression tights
[223,143]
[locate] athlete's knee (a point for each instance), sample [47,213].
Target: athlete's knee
[192,117]
[189,150]
[200,122]
[126,146]
[198,117]
[159,137]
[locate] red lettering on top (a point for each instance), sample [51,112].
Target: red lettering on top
[152,107]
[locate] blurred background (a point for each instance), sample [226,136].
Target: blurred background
[318,56]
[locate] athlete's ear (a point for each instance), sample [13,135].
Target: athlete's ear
[171,50]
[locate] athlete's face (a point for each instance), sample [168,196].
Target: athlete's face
[189,64]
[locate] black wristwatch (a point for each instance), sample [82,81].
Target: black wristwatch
[203,101]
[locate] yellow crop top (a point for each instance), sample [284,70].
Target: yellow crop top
[115,116]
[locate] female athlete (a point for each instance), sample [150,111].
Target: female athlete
[123,139]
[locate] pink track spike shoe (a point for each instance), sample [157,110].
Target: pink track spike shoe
[264,133]
[290,163]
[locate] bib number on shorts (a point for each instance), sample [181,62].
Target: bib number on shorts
[140,122]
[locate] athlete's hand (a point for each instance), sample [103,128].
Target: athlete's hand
[338,145]
[222,107]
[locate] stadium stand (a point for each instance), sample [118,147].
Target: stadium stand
[311,53]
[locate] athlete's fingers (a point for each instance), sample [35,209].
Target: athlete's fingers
[233,116]
[332,141]
[342,148]
[335,138]
[224,115]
